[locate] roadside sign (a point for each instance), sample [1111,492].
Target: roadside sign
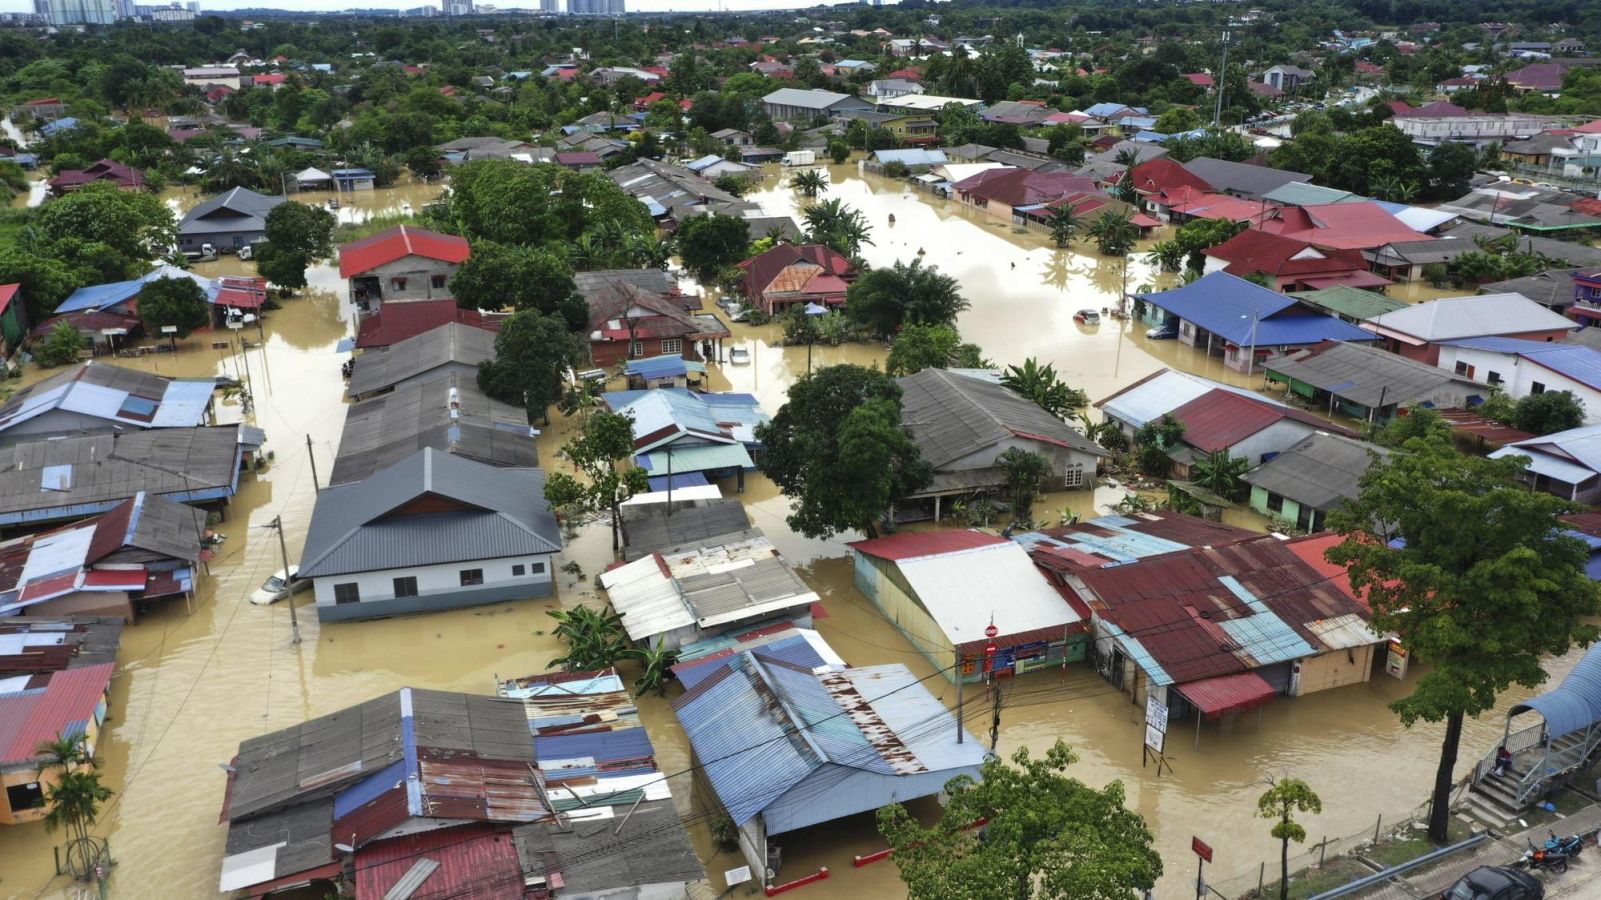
[1201,848]
[736,876]
[1155,739]
[1155,714]
[169,329]
[1395,662]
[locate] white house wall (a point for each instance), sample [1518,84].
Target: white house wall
[1276,438]
[438,587]
[1518,376]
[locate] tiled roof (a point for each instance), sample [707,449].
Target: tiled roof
[1356,226]
[399,242]
[1020,187]
[395,322]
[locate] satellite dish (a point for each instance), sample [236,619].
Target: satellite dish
[344,848]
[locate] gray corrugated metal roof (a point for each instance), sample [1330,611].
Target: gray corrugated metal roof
[109,467]
[1320,471]
[650,528]
[452,342]
[242,210]
[951,416]
[1365,375]
[652,848]
[168,528]
[735,592]
[388,428]
[1245,178]
[502,513]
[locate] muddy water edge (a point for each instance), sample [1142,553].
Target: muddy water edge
[191,686]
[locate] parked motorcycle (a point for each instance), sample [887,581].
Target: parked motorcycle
[1535,859]
[1566,846]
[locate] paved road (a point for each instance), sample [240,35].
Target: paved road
[1582,880]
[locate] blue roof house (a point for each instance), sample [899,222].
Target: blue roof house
[677,431]
[786,746]
[1245,322]
[1522,367]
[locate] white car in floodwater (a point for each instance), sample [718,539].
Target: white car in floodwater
[738,356]
[279,586]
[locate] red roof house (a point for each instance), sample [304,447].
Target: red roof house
[1290,264]
[271,79]
[797,273]
[644,103]
[1201,79]
[1000,191]
[629,322]
[1245,426]
[125,177]
[1341,226]
[401,263]
[1162,182]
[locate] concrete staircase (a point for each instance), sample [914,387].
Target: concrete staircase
[1497,800]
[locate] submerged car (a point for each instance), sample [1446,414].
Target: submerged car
[1164,332]
[279,586]
[738,356]
[1087,317]
[1495,883]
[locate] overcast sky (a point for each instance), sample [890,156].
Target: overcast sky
[331,5]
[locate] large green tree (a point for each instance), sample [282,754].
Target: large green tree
[1548,412]
[884,300]
[138,226]
[710,244]
[919,347]
[1048,837]
[514,203]
[501,276]
[179,302]
[1483,584]
[533,352]
[839,450]
[304,230]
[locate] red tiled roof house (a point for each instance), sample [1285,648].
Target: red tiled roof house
[796,273]
[629,322]
[1289,265]
[402,263]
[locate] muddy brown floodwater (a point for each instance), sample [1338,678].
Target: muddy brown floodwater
[191,686]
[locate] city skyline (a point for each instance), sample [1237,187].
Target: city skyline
[648,6]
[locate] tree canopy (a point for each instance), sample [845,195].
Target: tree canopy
[919,347]
[180,302]
[500,276]
[532,354]
[710,244]
[544,204]
[605,440]
[838,448]
[1048,837]
[884,300]
[1483,585]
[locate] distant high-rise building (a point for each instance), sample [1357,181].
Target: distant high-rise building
[614,7]
[550,6]
[456,7]
[42,8]
[194,6]
[81,12]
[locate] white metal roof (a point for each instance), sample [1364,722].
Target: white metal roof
[962,590]
[1463,317]
[1163,393]
[924,102]
[646,598]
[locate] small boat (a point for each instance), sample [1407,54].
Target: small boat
[892,218]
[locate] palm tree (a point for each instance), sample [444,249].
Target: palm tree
[73,799]
[1124,189]
[809,182]
[657,662]
[833,223]
[1064,222]
[648,251]
[1042,385]
[1166,255]
[1114,233]
[1127,158]
[1221,473]
[1393,188]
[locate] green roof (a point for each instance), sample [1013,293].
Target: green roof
[1351,302]
[1298,193]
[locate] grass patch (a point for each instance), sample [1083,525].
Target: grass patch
[355,231]
[1335,872]
[1392,851]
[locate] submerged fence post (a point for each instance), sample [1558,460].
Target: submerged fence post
[1322,850]
[1261,873]
[1376,826]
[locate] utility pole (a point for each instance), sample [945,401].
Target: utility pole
[957,672]
[315,486]
[277,524]
[1220,81]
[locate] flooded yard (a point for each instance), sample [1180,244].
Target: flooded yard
[191,686]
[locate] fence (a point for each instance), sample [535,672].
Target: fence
[1326,863]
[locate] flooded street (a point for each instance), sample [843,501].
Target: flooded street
[191,686]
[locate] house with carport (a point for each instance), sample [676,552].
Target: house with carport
[1369,384]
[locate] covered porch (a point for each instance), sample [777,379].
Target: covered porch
[1557,733]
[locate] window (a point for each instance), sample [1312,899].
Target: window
[1495,377]
[537,568]
[1536,388]
[1074,476]
[637,349]
[438,281]
[672,345]
[1461,367]
[1275,503]
[470,577]
[347,593]
[406,587]
[398,284]
[24,796]
[518,570]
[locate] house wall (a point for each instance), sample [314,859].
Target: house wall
[1276,438]
[1516,376]
[1289,510]
[995,208]
[607,353]
[419,272]
[1333,669]
[881,581]
[1063,460]
[670,890]
[438,587]
[28,773]
[14,324]
[220,239]
[87,603]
